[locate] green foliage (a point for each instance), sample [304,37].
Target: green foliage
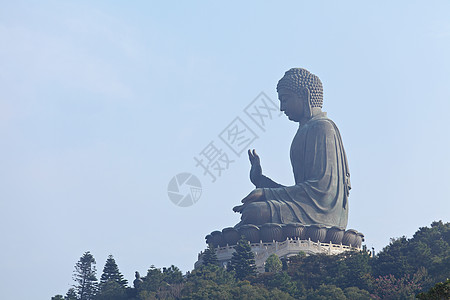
[354,293]
[402,269]
[352,269]
[212,282]
[281,281]
[111,290]
[280,295]
[329,291]
[208,282]
[154,279]
[440,291]
[207,290]
[209,256]
[165,284]
[393,259]
[326,292]
[311,271]
[112,284]
[428,248]
[211,273]
[85,277]
[172,275]
[71,294]
[345,270]
[245,291]
[146,295]
[389,287]
[273,264]
[111,273]
[243,260]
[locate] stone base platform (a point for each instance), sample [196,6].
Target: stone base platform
[285,249]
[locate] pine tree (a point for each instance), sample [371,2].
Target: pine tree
[111,290]
[71,294]
[154,279]
[111,273]
[172,275]
[440,291]
[209,256]
[273,264]
[243,260]
[85,277]
[112,284]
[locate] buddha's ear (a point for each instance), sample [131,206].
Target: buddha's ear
[307,104]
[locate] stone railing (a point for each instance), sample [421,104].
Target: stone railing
[284,249]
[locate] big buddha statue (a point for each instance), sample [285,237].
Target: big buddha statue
[322,177]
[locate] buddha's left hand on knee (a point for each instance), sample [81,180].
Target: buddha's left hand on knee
[239,208]
[254,196]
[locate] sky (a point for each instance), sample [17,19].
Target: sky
[103,103]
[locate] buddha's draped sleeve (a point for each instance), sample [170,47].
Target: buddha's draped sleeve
[266,182]
[321,176]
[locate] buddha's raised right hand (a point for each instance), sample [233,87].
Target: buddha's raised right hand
[256,170]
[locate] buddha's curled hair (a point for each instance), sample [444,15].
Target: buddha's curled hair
[296,79]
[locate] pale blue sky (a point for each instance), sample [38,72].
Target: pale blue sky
[102,103]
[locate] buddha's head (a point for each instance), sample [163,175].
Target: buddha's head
[299,92]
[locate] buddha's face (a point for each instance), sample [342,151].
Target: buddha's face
[291,104]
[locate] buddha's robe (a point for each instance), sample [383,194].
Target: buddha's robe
[322,180]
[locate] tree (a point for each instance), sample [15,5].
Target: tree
[161,285]
[209,256]
[355,293]
[245,290]
[208,282]
[172,283]
[440,291]
[71,295]
[281,281]
[85,277]
[111,273]
[243,260]
[111,290]
[325,292]
[393,259]
[112,284]
[389,287]
[154,279]
[172,275]
[428,248]
[311,271]
[273,264]
[351,269]
[58,297]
